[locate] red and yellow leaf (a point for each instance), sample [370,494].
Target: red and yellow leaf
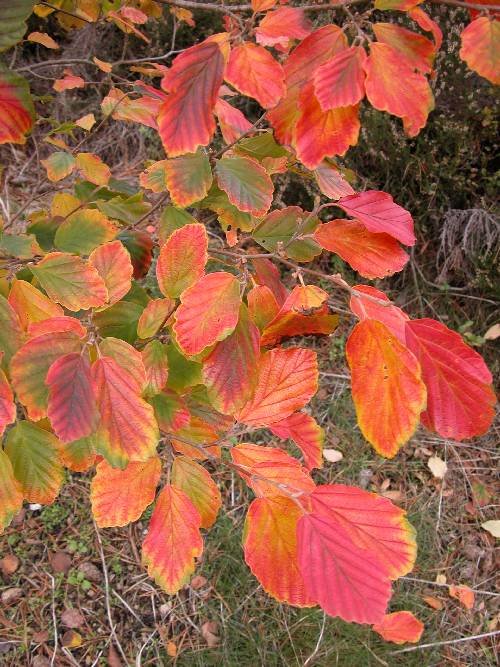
[426,23]
[154,317]
[70,281]
[34,455]
[331,182]
[364,307]
[198,485]
[128,419]
[287,380]
[11,334]
[270,538]
[232,121]
[266,273]
[11,497]
[341,81]
[57,324]
[173,540]
[155,359]
[208,313]
[128,358]
[387,388]
[16,108]
[182,259]
[378,212]
[306,433]
[412,102]
[7,405]
[321,134]
[246,183]
[80,455]
[481,47]
[282,25]
[400,627]
[30,365]
[112,262]
[193,82]
[372,255]
[119,497]
[230,370]
[460,399]
[415,49]
[188,178]
[194,440]
[254,72]
[31,305]
[304,312]
[262,306]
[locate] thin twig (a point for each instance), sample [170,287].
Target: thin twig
[54,619]
[318,643]
[450,641]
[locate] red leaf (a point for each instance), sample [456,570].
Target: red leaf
[173,540]
[208,312]
[270,538]
[427,24]
[278,27]
[387,388]
[230,370]
[379,213]
[331,182]
[193,82]
[128,419]
[415,50]
[119,497]
[182,259]
[231,120]
[57,324]
[321,134]
[262,305]
[400,627]
[365,308]
[460,400]
[287,380]
[72,408]
[341,81]
[254,72]
[112,262]
[16,108]
[372,255]
[199,486]
[306,434]
[7,405]
[412,102]
[266,273]
[480,47]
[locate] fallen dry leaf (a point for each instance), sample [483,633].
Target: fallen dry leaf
[60,561]
[72,618]
[437,467]
[171,649]
[71,639]
[440,579]
[463,594]
[91,572]
[493,332]
[333,455]
[11,595]
[113,657]
[9,564]
[197,582]
[209,633]
[493,527]
[433,602]
[41,636]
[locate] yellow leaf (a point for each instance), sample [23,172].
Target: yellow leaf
[86,122]
[43,39]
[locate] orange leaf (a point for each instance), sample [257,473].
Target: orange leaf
[71,281]
[254,72]
[193,82]
[173,540]
[262,305]
[80,455]
[69,82]
[321,134]
[182,259]
[93,168]
[11,497]
[31,305]
[231,120]
[464,595]
[280,26]
[30,365]
[387,388]
[201,435]
[378,212]
[411,102]
[331,182]
[71,408]
[7,405]
[16,108]
[58,165]
[372,255]
[43,39]
[481,47]
[341,81]
[128,419]
[460,399]
[208,312]
[427,24]
[306,434]
[304,312]
[287,380]
[112,262]
[119,497]
[266,273]
[230,370]
[364,308]
[415,50]
[400,627]
[270,538]
[154,317]
[199,486]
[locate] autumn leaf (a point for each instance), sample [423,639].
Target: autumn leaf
[16,107]
[112,262]
[364,306]
[11,497]
[83,231]
[30,304]
[173,540]
[340,82]
[400,627]
[11,334]
[58,165]
[246,183]
[155,357]
[280,26]
[480,41]
[188,178]
[182,259]
[7,405]
[119,497]
[93,168]
[305,433]
[233,123]
[154,316]
[415,49]
[254,72]
[464,595]
[198,485]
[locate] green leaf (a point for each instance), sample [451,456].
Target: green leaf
[229,215]
[280,226]
[127,210]
[260,147]
[246,183]
[182,373]
[44,229]
[83,231]
[11,334]
[23,246]
[173,218]
[119,321]
[33,453]
[13,15]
